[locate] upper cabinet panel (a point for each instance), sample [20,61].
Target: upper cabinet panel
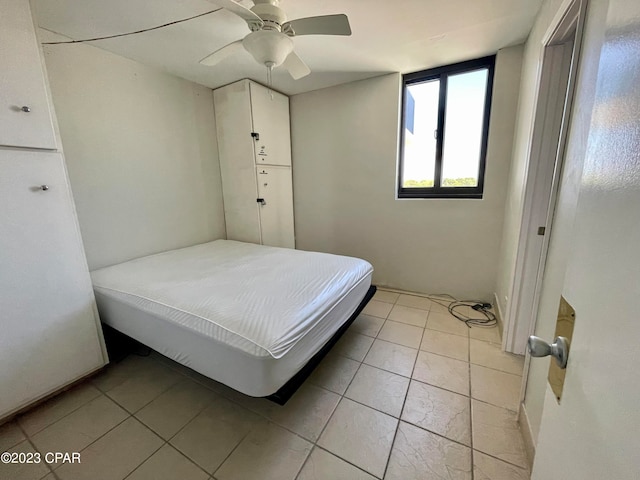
[270,115]
[25,115]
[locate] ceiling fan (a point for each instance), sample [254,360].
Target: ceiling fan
[270,39]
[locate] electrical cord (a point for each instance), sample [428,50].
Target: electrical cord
[136,32]
[454,306]
[489,319]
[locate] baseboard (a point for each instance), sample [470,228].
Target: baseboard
[527,436]
[498,312]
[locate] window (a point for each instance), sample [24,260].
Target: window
[445,123]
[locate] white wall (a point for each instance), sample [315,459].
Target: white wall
[141,151]
[520,164]
[345,149]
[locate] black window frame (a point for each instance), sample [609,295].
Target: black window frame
[443,73]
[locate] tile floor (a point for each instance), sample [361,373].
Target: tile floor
[409,392]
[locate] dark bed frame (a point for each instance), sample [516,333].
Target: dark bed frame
[120,345]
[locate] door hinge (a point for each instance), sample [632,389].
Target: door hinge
[541,230]
[255,136]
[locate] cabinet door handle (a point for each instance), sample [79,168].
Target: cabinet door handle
[26,109]
[261,201]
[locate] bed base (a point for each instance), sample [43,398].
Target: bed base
[288,389]
[120,345]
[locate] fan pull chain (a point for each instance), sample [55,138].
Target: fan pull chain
[270,80]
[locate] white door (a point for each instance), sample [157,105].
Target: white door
[593,434]
[270,115]
[25,117]
[276,210]
[48,331]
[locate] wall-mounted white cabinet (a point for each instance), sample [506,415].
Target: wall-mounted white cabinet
[50,335]
[25,113]
[254,145]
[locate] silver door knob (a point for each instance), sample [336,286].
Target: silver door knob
[26,109]
[44,187]
[558,350]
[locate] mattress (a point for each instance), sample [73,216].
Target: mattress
[246,315]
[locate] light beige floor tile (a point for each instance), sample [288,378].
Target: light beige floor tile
[491,355]
[269,453]
[367,325]
[409,315]
[487,334]
[443,372]
[440,306]
[444,322]
[360,435]
[173,409]
[353,345]
[10,436]
[384,296]
[494,387]
[144,385]
[447,344]
[496,432]
[168,464]
[58,407]
[392,357]
[115,455]
[306,413]
[439,411]
[414,301]
[23,471]
[402,334]
[322,465]
[377,309]
[334,373]
[115,374]
[489,468]
[421,455]
[78,429]
[379,389]
[213,434]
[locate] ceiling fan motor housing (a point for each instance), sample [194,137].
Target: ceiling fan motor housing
[272,15]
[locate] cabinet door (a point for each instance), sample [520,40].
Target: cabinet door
[237,164]
[22,81]
[270,116]
[276,214]
[49,334]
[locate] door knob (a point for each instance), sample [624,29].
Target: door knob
[558,350]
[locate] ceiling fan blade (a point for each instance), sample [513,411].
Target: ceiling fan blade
[222,53]
[323,25]
[240,10]
[296,67]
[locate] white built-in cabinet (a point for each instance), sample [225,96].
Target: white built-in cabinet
[25,114]
[49,331]
[254,145]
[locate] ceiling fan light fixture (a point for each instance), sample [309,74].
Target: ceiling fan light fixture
[268,47]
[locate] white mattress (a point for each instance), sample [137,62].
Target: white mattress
[247,315]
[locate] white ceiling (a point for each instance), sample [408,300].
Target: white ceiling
[388,36]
